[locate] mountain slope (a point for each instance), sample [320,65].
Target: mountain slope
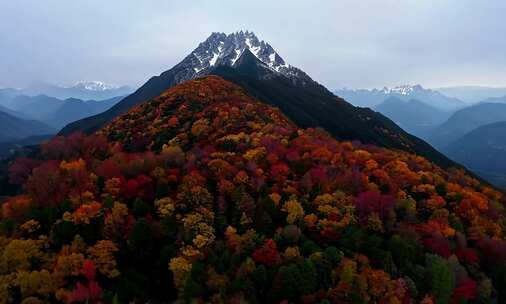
[206,195]
[484,151]
[413,116]
[466,120]
[311,105]
[12,127]
[372,98]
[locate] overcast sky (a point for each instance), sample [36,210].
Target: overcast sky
[352,43]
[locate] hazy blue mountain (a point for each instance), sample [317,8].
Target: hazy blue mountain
[483,150]
[473,94]
[362,97]
[74,109]
[36,107]
[13,113]
[372,98]
[20,99]
[84,90]
[466,120]
[12,128]
[56,112]
[414,116]
[501,99]
[6,96]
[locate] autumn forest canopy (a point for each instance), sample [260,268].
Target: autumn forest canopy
[205,194]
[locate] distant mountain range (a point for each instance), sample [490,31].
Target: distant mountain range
[51,110]
[372,98]
[13,128]
[30,119]
[475,137]
[84,90]
[483,150]
[12,112]
[36,107]
[473,94]
[466,120]
[501,99]
[414,116]
[74,109]
[253,64]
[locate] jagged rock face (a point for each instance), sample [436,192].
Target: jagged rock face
[221,49]
[225,50]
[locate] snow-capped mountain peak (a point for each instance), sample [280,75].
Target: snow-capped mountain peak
[220,49]
[94,85]
[223,49]
[404,90]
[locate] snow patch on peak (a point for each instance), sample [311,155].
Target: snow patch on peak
[213,60]
[220,49]
[255,50]
[237,55]
[93,85]
[404,90]
[198,57]
[272,57]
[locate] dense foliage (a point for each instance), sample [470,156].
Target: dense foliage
[206,194]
